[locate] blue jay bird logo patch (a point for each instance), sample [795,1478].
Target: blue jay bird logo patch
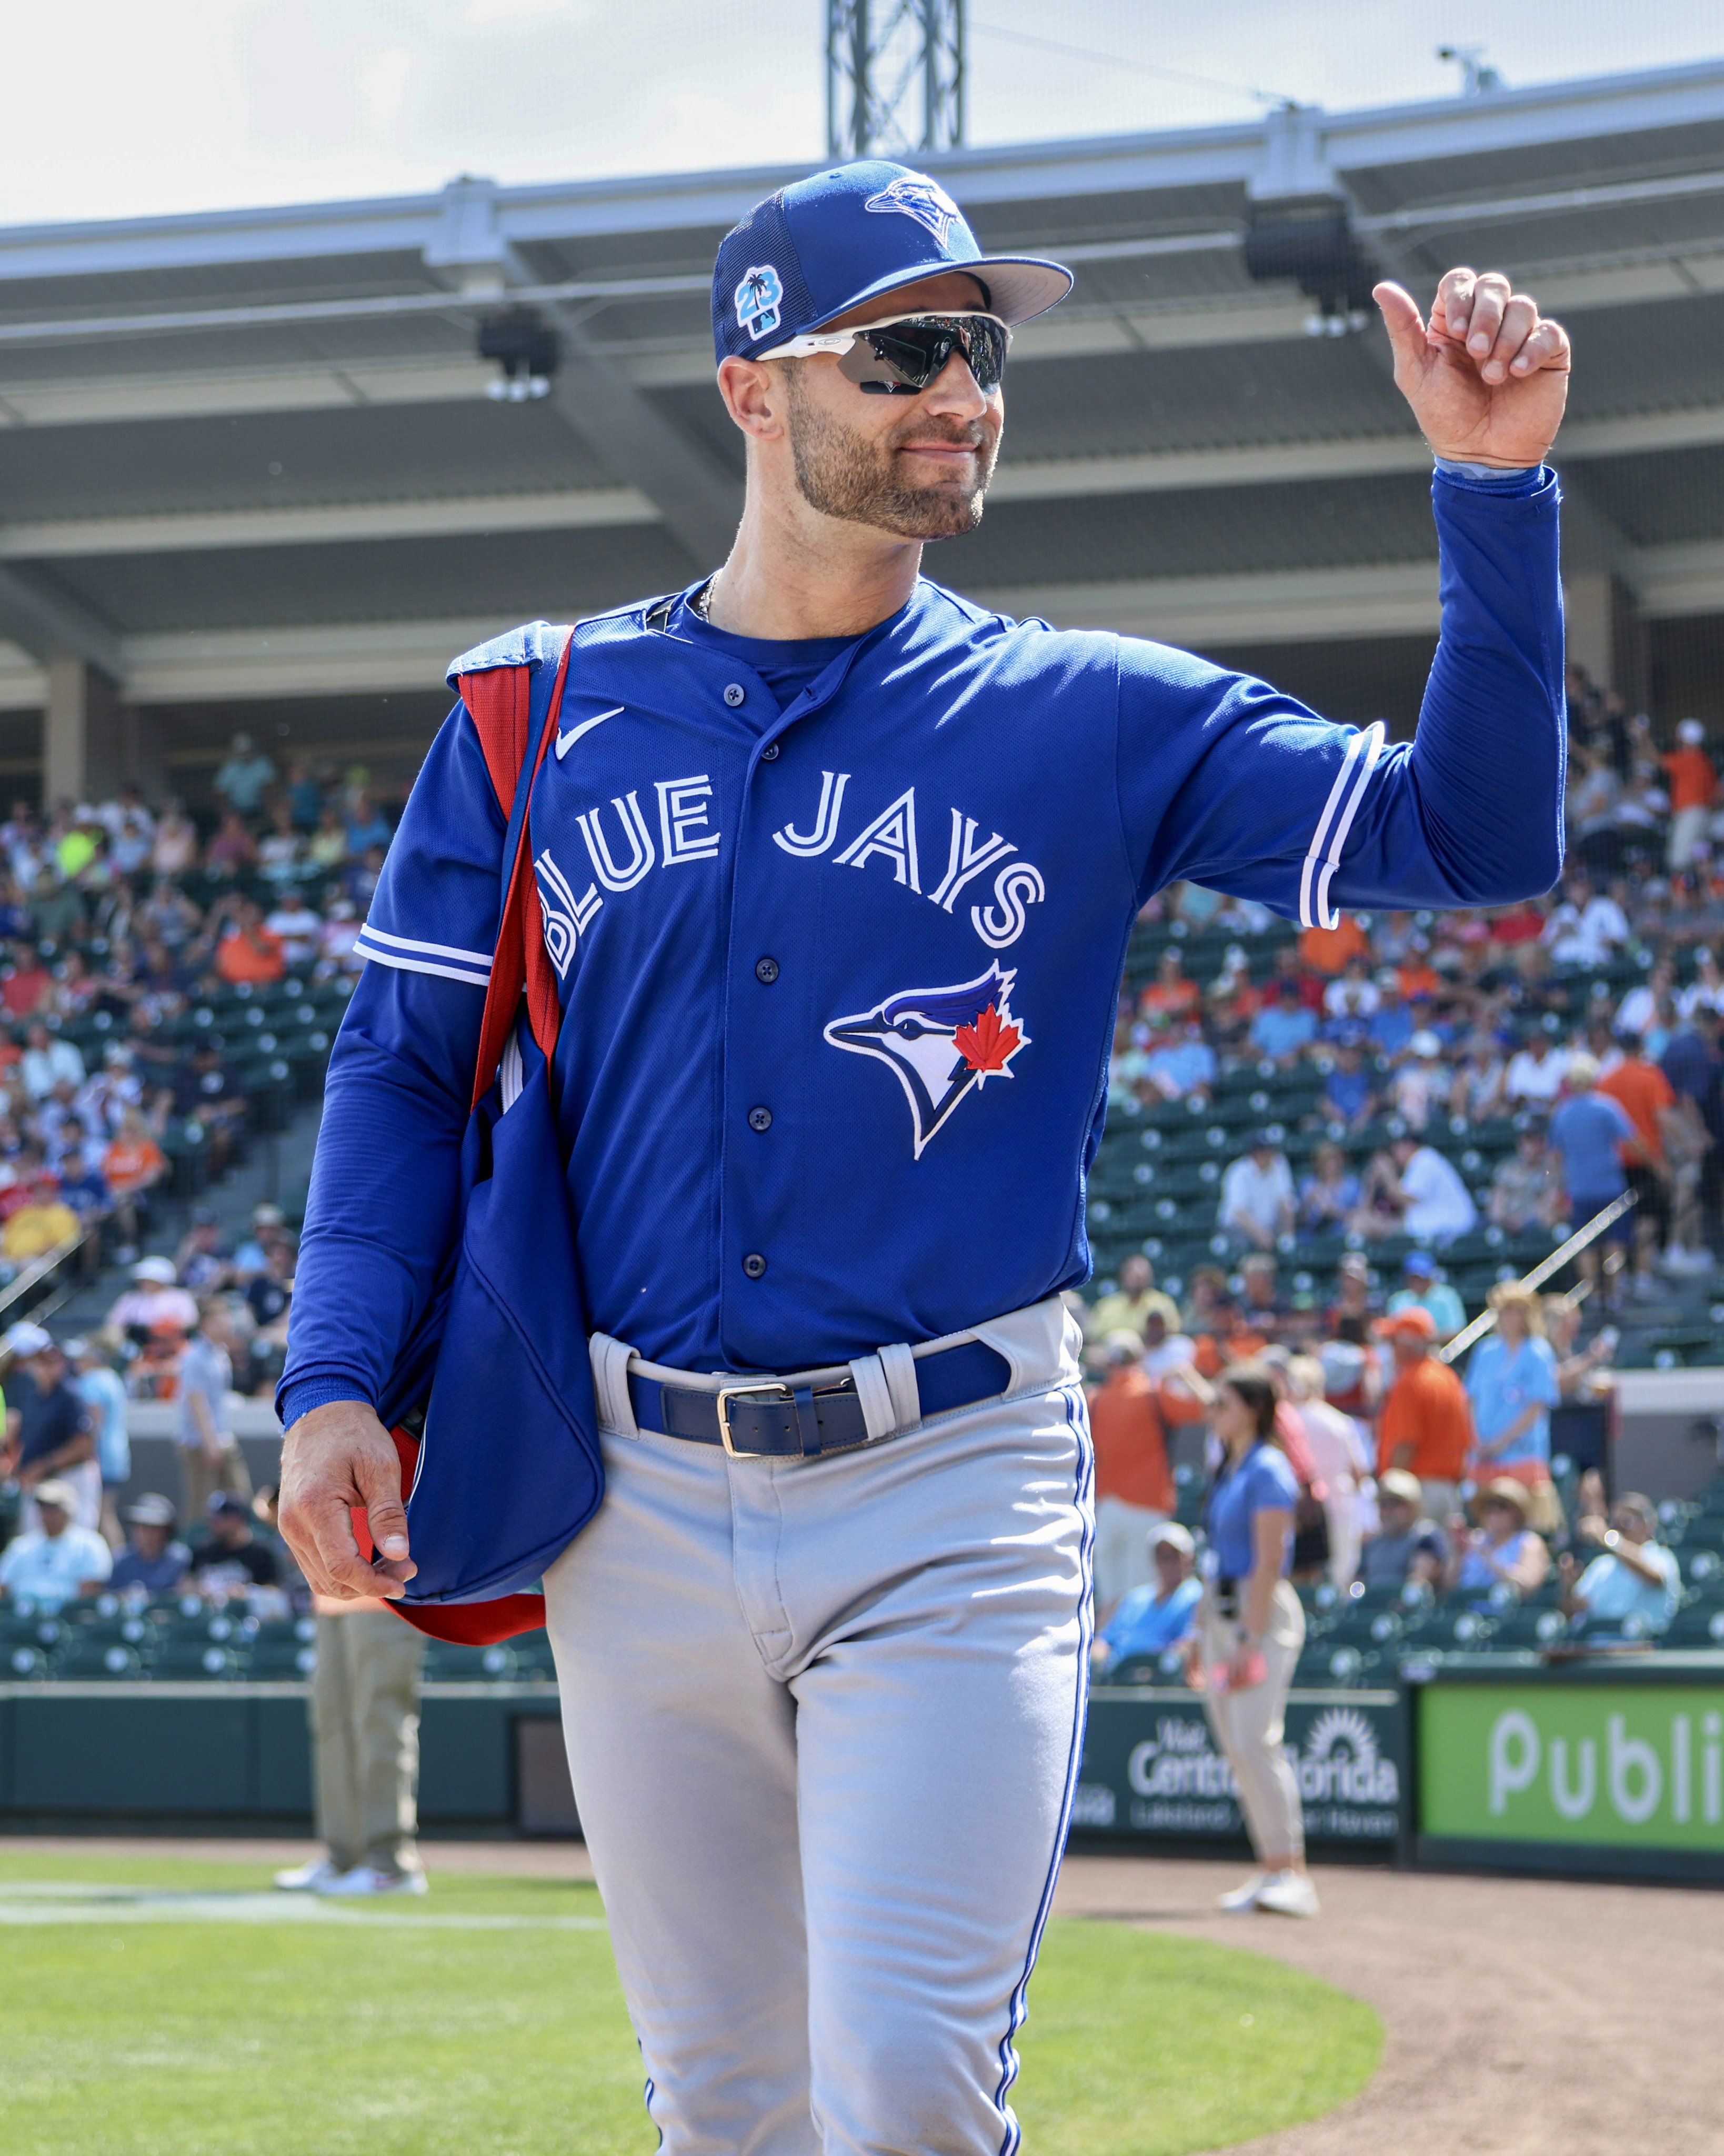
[759,298]
[942,1044]
[915,196]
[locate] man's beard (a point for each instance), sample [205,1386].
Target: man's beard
[853,476]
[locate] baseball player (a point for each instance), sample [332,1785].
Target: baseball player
[837,872]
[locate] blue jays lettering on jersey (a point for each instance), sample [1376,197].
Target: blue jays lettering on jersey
[839,977]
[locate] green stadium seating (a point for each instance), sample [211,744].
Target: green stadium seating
[448,1663]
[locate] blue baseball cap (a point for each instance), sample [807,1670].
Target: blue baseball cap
[814,250]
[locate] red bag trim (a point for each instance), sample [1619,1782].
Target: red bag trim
[465,1623]
[498,703]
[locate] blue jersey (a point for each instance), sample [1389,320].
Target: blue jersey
[838,972]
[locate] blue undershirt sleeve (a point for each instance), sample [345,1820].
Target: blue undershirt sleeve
[385,1186]
[1227,782]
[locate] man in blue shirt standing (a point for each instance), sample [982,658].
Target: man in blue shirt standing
[1593,1135]
[836,872]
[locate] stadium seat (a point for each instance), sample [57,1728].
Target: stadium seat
[448,1663]
[1701,1625]
[86,1656]
[284,1650]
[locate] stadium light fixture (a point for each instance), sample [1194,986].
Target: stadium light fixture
[1477,75]
[1311,241]
[526,347]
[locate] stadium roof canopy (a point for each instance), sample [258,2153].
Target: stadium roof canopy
[250,456]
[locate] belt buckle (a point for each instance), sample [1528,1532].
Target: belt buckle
[726,1393]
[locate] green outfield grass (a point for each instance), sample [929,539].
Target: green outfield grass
[485,2021]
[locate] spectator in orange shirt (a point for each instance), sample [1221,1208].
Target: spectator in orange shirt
[1416,977]
[1649,1099]
[1326,950]
[247,951]
[1129,1414]
[132,1161]
[1694,787]
[1427,1425]
[1170,994]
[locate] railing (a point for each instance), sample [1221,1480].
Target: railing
[1541,1272]
[38,1268]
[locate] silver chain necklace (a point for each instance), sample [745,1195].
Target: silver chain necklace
[703,599]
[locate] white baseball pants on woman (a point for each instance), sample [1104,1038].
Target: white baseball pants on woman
[824,1718]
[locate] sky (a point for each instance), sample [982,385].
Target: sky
[120,109]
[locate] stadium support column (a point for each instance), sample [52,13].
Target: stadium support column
[84,735]
[1589,612]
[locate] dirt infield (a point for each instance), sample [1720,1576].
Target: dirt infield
[1525,2017]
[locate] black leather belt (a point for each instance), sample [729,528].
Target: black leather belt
[767,1418]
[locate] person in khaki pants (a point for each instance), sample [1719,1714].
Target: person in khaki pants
[365,1728]
[1250,1629]
[211,1462]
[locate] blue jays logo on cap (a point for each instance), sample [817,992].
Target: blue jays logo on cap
[759,298]
[917,195]
[942,1044]
[854,233]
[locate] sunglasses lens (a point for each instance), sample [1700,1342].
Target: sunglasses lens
[904,358]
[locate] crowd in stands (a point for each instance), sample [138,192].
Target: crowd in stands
[1410,1474]
[1585,1026]
[195,1332]
[125,932]
[117,923]
[1427,1090]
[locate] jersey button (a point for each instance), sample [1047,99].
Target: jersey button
[769,754]
[760,1119]
[755,1266]
[734,693]
[766,970]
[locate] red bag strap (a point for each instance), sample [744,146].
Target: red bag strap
[499,703]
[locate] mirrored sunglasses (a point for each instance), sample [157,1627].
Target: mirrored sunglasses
[908,354]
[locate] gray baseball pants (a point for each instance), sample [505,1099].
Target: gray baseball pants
[824,1719]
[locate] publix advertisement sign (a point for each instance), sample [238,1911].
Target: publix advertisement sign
[1612,1766]
[1151,1766]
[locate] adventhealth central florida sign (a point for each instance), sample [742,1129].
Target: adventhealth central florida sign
[1630,1766]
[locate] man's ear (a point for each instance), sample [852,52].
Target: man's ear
[754,394]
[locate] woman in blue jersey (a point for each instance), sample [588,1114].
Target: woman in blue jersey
[1512,1383]
[1250,1629]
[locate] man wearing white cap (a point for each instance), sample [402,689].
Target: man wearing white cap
[50,1433]
[153,1301]
[1694,792]
[1156,1616]
[56,1561]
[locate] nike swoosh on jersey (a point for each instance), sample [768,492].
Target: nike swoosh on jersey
[565,743]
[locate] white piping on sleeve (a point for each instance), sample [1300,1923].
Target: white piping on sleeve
[1313,858]
[479,958]
[1362,753]
[403,964]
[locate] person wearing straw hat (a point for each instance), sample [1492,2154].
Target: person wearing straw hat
[1512,1384]
[1501,1550]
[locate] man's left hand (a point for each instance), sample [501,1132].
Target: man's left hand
[1487,376]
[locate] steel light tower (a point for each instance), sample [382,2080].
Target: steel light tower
[895,76]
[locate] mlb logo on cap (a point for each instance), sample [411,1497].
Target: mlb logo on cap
[814,250]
